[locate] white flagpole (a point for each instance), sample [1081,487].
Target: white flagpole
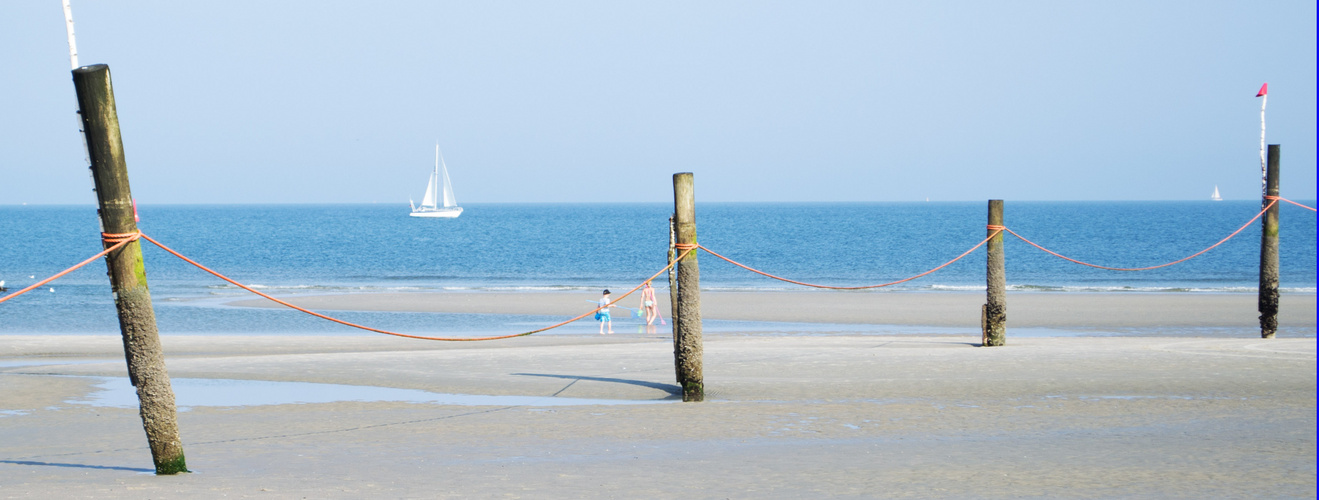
[73,62]
[1263,167]
[68,26]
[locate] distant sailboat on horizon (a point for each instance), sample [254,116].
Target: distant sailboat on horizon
[439,185]
[1216,197]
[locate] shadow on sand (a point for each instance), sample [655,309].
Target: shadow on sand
[79,466]
[673,390]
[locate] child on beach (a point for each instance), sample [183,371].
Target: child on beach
[603,314]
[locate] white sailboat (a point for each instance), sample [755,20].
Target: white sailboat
[1216,197]
[449,208]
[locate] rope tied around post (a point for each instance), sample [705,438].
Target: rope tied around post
[995,227]
[120,237]
[1279,198]
[117,241]
[688,246]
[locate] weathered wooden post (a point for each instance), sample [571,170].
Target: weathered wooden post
[994,322]
[128,278]
[673,282]
[687,348]
[1268,252]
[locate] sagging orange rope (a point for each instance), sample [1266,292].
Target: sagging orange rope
[1178,261]
[1279,198]
[119,241]
[396,334]
[122,239]
[762,273]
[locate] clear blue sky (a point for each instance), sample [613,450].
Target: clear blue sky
[337,102]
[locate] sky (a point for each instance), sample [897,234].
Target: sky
[248,101]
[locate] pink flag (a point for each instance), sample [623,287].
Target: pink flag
[1263,91]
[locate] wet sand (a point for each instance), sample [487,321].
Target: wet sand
[941,309]
[788,416]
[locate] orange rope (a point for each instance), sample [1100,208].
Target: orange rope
[119,241]
[118,237]
[386,332]
[1275,198]
[762,273]
[1197,254]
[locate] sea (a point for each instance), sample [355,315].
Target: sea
[288,250]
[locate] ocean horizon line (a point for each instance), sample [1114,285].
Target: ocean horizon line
[568,203]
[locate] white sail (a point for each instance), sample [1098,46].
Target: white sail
[428,201]
[449,200]
[1216,197]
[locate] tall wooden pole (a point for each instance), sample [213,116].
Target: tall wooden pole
[687,348]
[673,281]
[128,276]
[995,312]
[1268,252]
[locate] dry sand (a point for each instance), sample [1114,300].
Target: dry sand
[787,416]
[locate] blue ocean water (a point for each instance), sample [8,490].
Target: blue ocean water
[288,249]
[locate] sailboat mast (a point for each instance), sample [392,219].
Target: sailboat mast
[435,176]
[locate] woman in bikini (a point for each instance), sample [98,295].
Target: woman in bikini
[648,304]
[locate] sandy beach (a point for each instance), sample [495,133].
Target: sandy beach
[1028,310]
[788,416]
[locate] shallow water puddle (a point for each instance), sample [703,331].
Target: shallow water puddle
[116,392]
[53,362]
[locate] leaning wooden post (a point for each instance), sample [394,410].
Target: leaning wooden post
[673,282]
[1268,252]
[128,278]
[994,322]
[687,348]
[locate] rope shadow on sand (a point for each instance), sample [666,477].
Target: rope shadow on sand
[80,466]
[671,389]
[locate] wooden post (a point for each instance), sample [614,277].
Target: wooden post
[673,282]
[994,324]
[1268,253]
[128,278]
[687,348]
